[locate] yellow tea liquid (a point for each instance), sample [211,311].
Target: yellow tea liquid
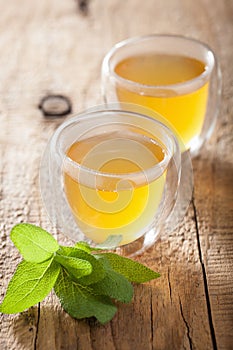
[115,205]
[185,112]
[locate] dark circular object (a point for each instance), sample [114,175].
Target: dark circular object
[55,105]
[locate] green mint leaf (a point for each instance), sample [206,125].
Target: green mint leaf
[97,268]
[84,282]
[34,243]
[111,242]
[30,284]
[81,302]
[83,246]
[114,285]
[75,266]
[132,270]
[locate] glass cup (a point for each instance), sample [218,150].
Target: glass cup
[111,173]
[175,76]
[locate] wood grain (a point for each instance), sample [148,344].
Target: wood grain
[55,47]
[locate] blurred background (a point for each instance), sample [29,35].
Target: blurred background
[52,46]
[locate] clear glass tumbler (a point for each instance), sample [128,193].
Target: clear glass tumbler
[111,173]
[175,76]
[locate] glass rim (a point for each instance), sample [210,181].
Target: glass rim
[159,167]
[201,78]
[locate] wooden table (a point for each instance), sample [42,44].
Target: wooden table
[56,47]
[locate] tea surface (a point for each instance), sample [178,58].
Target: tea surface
[117,202]
[185,112]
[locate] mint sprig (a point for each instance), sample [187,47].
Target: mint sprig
[87,280]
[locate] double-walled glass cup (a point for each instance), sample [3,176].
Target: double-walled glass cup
[111,173]
[175,76]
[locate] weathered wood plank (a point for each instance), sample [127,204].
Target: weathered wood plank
[52,47]
[214,192]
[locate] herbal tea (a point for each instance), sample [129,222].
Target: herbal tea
[118,204]
[185,112]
